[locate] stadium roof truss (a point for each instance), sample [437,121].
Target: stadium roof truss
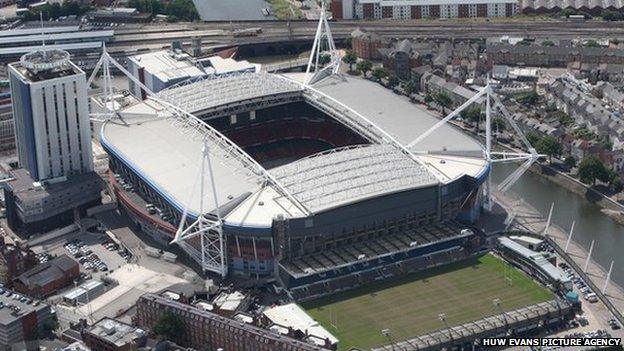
[231,94]
[340,176]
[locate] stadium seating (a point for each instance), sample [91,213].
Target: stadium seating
[364,262]
[291,138]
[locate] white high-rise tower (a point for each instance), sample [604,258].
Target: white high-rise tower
[51,115]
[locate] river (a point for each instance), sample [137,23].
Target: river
[590,222]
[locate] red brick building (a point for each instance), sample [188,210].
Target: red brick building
[14,261]
[208,331]
[46,278]
[366,45]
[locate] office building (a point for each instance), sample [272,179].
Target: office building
[21,319]
[51,115]
[162,69]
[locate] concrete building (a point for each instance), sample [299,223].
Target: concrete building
[46,278]
[21,319]
[163,69]
[417,9]
[35,207]
[112,335]
[51,115]
[207,330]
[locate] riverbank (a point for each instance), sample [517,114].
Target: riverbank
[526,217]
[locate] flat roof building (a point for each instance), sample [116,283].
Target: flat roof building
[20,318]
[109,334]
[293,317]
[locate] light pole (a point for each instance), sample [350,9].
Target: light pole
[388,335]
[442,318]
[497,304]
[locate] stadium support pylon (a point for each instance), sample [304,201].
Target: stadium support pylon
[323,45]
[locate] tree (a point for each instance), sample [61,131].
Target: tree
[533,138]
[169,326]
[443,100]
[548,43]
[498,124]
[472,114]
[324,59]
[608,15]
[49,325]
[364,66]
[569,162]
[349,58]
[393,81]
[591,169]
[528,99]
[592,44]
[409,87]
[550,146]
[615,184]
[380,72]
[428,98]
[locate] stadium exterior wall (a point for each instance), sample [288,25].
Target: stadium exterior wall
[252,251]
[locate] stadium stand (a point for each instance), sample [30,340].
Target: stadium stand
[347,266]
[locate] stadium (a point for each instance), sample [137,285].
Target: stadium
[309,178]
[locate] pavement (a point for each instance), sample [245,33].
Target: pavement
[528,218]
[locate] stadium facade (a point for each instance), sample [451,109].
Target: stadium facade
[313,182]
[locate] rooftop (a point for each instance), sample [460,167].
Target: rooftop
[115,332]
[13,309]
[168,65]
[340,176]
[48,272]
[291,315]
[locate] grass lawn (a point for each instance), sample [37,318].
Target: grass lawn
[410,305]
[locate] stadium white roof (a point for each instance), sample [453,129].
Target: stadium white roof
[397,115]
[346,175]
[215,91]
[166,151]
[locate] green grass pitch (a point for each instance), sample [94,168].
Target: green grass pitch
[409,306]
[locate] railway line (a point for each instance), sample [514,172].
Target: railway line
[278,31]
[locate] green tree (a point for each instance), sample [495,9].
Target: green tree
[472,114]
[379,73]
[591,44]
[498,124]
[569,162]
[409,87]
[550,146]
[428,98]
[591,169]
[443,100]
[364,66]
[349,58]
[615,183]
[548,43]
[49,325]
[169,326]
[528,98]
[393,81]
[324,59]
[533,138]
